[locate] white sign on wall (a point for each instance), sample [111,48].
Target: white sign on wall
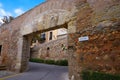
[84,38]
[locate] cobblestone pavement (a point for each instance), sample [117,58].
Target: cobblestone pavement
[42,72]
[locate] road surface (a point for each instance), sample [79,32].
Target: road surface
[39,71]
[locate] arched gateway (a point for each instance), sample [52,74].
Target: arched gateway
[93,34]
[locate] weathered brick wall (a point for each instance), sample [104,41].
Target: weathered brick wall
[102,51]
[100,21]
[9,39]
[57,50]
[8,36]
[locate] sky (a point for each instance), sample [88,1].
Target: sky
[17,7]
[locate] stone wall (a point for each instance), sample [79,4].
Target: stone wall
[54,50]
[97,19]
[100,21]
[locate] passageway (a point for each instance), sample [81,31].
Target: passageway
[39,71]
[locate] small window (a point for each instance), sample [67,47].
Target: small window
[0,49]
[50,38]
[48,48]
[42,35]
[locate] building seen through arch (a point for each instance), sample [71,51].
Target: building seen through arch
[51,45]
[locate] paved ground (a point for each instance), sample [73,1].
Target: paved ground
[4,73]
[42,72]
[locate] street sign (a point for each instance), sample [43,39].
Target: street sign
[84,38]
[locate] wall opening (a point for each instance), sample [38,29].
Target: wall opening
[51,34]
[43,36]
[48,48]
[33,48]
[0,49]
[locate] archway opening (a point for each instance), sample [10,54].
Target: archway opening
[49,44]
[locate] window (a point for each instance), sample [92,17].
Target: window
[50,38]
[43,36]
[0,49]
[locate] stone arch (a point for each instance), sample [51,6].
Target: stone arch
[48,20]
